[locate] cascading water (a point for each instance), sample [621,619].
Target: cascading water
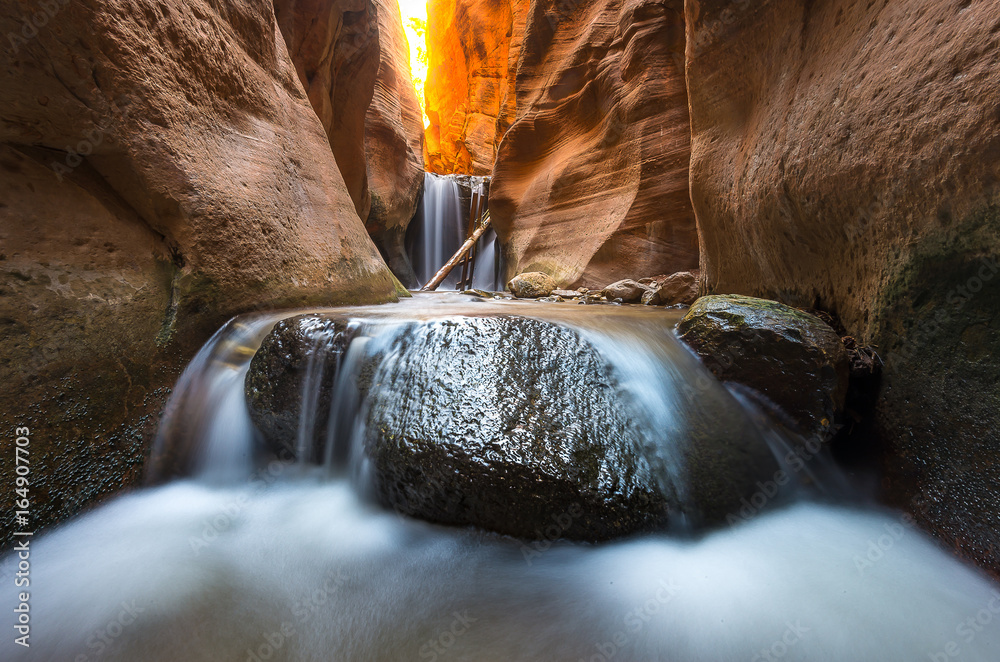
[440,227]
[274,559]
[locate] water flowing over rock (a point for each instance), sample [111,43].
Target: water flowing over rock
[162,171]
[794,359]
[291,380]
[510,423]
[844,158]
[441,227]
[585,105]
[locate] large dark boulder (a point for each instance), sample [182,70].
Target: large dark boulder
[796,360]
[510,423]
[516,425]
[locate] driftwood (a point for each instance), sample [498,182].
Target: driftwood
[433,283]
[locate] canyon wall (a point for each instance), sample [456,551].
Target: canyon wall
[353,60]
[583,103]
[394,143]
[844,156]
[468,79]
[591,179]
[334,45]
[161,169]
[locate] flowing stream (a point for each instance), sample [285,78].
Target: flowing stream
[440,228]
[234,555]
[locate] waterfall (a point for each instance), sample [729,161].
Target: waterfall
[252,558]
[440,228]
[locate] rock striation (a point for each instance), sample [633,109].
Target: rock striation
[353,60]
[844,158]
[394,138]
[162,170]
[584,105]
[470,44]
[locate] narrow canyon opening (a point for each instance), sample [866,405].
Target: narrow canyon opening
[500,330]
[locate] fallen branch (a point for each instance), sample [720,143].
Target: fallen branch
[433,283]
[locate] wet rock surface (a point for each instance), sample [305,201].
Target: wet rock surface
[794,359]
[678,288]
[507,423]
[278,373]
[513,425]
[629,291]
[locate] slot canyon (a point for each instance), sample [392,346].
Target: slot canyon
[500,330]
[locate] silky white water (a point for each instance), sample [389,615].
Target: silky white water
[440,229]
[284,561]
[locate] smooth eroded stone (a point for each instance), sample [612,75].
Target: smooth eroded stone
[507,424]
[627,290]
[678,288]
[796,360]
[531,285]
[836,163]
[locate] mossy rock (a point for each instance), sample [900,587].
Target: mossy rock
[794,359]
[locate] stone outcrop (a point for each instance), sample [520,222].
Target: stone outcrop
[394,131]
[531,285]
[626,291]
[495,422]
[679,288]
[353,60]
[162,170]
[794,359]
[844,158]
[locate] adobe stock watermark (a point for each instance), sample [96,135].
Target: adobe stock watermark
[446,638]
[34,23]
[792,635]
[634,621]
[956,299]
[967,631]
[102,638]
[230,513]
[796,459]
[271,643]
[878,548]
[554,531]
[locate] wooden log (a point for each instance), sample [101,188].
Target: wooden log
[433,283]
